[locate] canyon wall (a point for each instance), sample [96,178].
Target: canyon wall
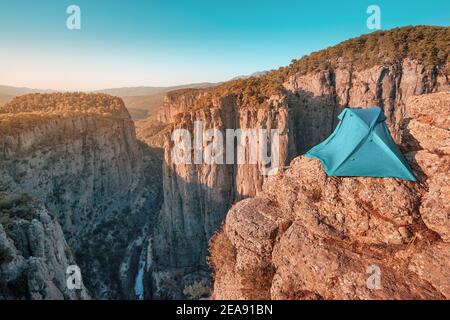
[34,255]
[89,169]
[197,197]
[309,236]
[79,156]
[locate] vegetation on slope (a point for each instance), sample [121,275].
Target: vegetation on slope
[14,207]
[426,44]
[142,102]
[64,102]
[27,111]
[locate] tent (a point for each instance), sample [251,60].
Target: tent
[361,145]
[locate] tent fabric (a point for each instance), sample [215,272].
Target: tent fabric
[361,145]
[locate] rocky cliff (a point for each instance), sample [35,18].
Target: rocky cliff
[309,236]
[302,101]
[78,154]
[34,255]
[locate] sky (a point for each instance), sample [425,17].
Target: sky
[171,42]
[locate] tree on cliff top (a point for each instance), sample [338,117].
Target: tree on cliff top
[61,102]
[428,45]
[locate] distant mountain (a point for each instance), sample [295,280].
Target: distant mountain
[9,92]
[255,74]
[148,91]
[4,99]
[17,91]
[141,102]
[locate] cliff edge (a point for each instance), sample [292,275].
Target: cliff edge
[310,236]
[78,154]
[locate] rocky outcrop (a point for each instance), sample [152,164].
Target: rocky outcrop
[34,255]
[197,197]
[85,164]
[427,141]
[388,86]
[177,102]
[309,236]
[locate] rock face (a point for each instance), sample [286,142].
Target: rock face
[309,236]
[387,86]
[88,167]
[34,255]
[78,154]
[197,197]
[427,141]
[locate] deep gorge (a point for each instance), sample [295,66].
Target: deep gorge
[118,197]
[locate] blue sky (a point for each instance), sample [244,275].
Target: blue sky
[161,43]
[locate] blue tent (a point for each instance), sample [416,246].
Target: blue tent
[361,145]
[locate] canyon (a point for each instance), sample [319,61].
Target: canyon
[34,255]
[310,236]
[128,211]
[305,108]
[85,164]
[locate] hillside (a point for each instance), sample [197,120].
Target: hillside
[64,102]
[77,154]
[125,206]
[142,102]
[31,268]
[4,99]
[7,93]
[149,91]
[310,236]
[425,44]
[17,91]
[30,110]
[302,100]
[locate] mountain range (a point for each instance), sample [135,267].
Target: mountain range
[140,101]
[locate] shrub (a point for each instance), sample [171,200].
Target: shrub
[66,102]
[19,286]
[196,290]
[256,282]
[30,110]
[222,253]
[13,207]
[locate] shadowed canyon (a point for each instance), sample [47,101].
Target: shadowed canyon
[81,185]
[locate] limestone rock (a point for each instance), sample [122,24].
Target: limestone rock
[79,155]
[34,255]
[310,236]
[306,113]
